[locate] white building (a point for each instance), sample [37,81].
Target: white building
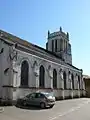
[25,67]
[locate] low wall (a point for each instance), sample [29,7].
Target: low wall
[20,92]
[13,94]
[76,93]
[84,93]
[58,93]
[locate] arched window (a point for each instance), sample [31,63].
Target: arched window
[24,73]
[61,44]
[55,45]
[79,81]
[69,72]
[64,77]
[41,76]
[54,78]
[52,46]
[69,75]
[72,81]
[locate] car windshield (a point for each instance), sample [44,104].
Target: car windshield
[28,95]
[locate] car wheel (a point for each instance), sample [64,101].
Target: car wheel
[24,103]
[42,105]
[51,106]
[18,103]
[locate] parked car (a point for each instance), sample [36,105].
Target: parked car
[42,99]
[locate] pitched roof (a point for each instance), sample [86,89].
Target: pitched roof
[15,39]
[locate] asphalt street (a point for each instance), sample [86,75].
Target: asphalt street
[74,109]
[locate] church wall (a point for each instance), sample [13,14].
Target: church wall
[34,80]
[6,71]
[10,79]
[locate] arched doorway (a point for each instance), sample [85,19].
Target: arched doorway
[41,77]
[54,78]
[24,73]
[64,77]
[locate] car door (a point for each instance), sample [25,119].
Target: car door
[31,99]
[38,98]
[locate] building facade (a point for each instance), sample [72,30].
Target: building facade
[86,79]
[25,67]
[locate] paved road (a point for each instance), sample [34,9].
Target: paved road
[76,109]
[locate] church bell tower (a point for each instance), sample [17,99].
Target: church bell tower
[58,43]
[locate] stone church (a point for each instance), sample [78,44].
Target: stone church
[26,67]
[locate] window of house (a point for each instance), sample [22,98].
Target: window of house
[24,73]
[52,46]
[64,77]
[41,76]
[54,78]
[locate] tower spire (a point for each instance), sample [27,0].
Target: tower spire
[60,29]
[67,35]
[48,33]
